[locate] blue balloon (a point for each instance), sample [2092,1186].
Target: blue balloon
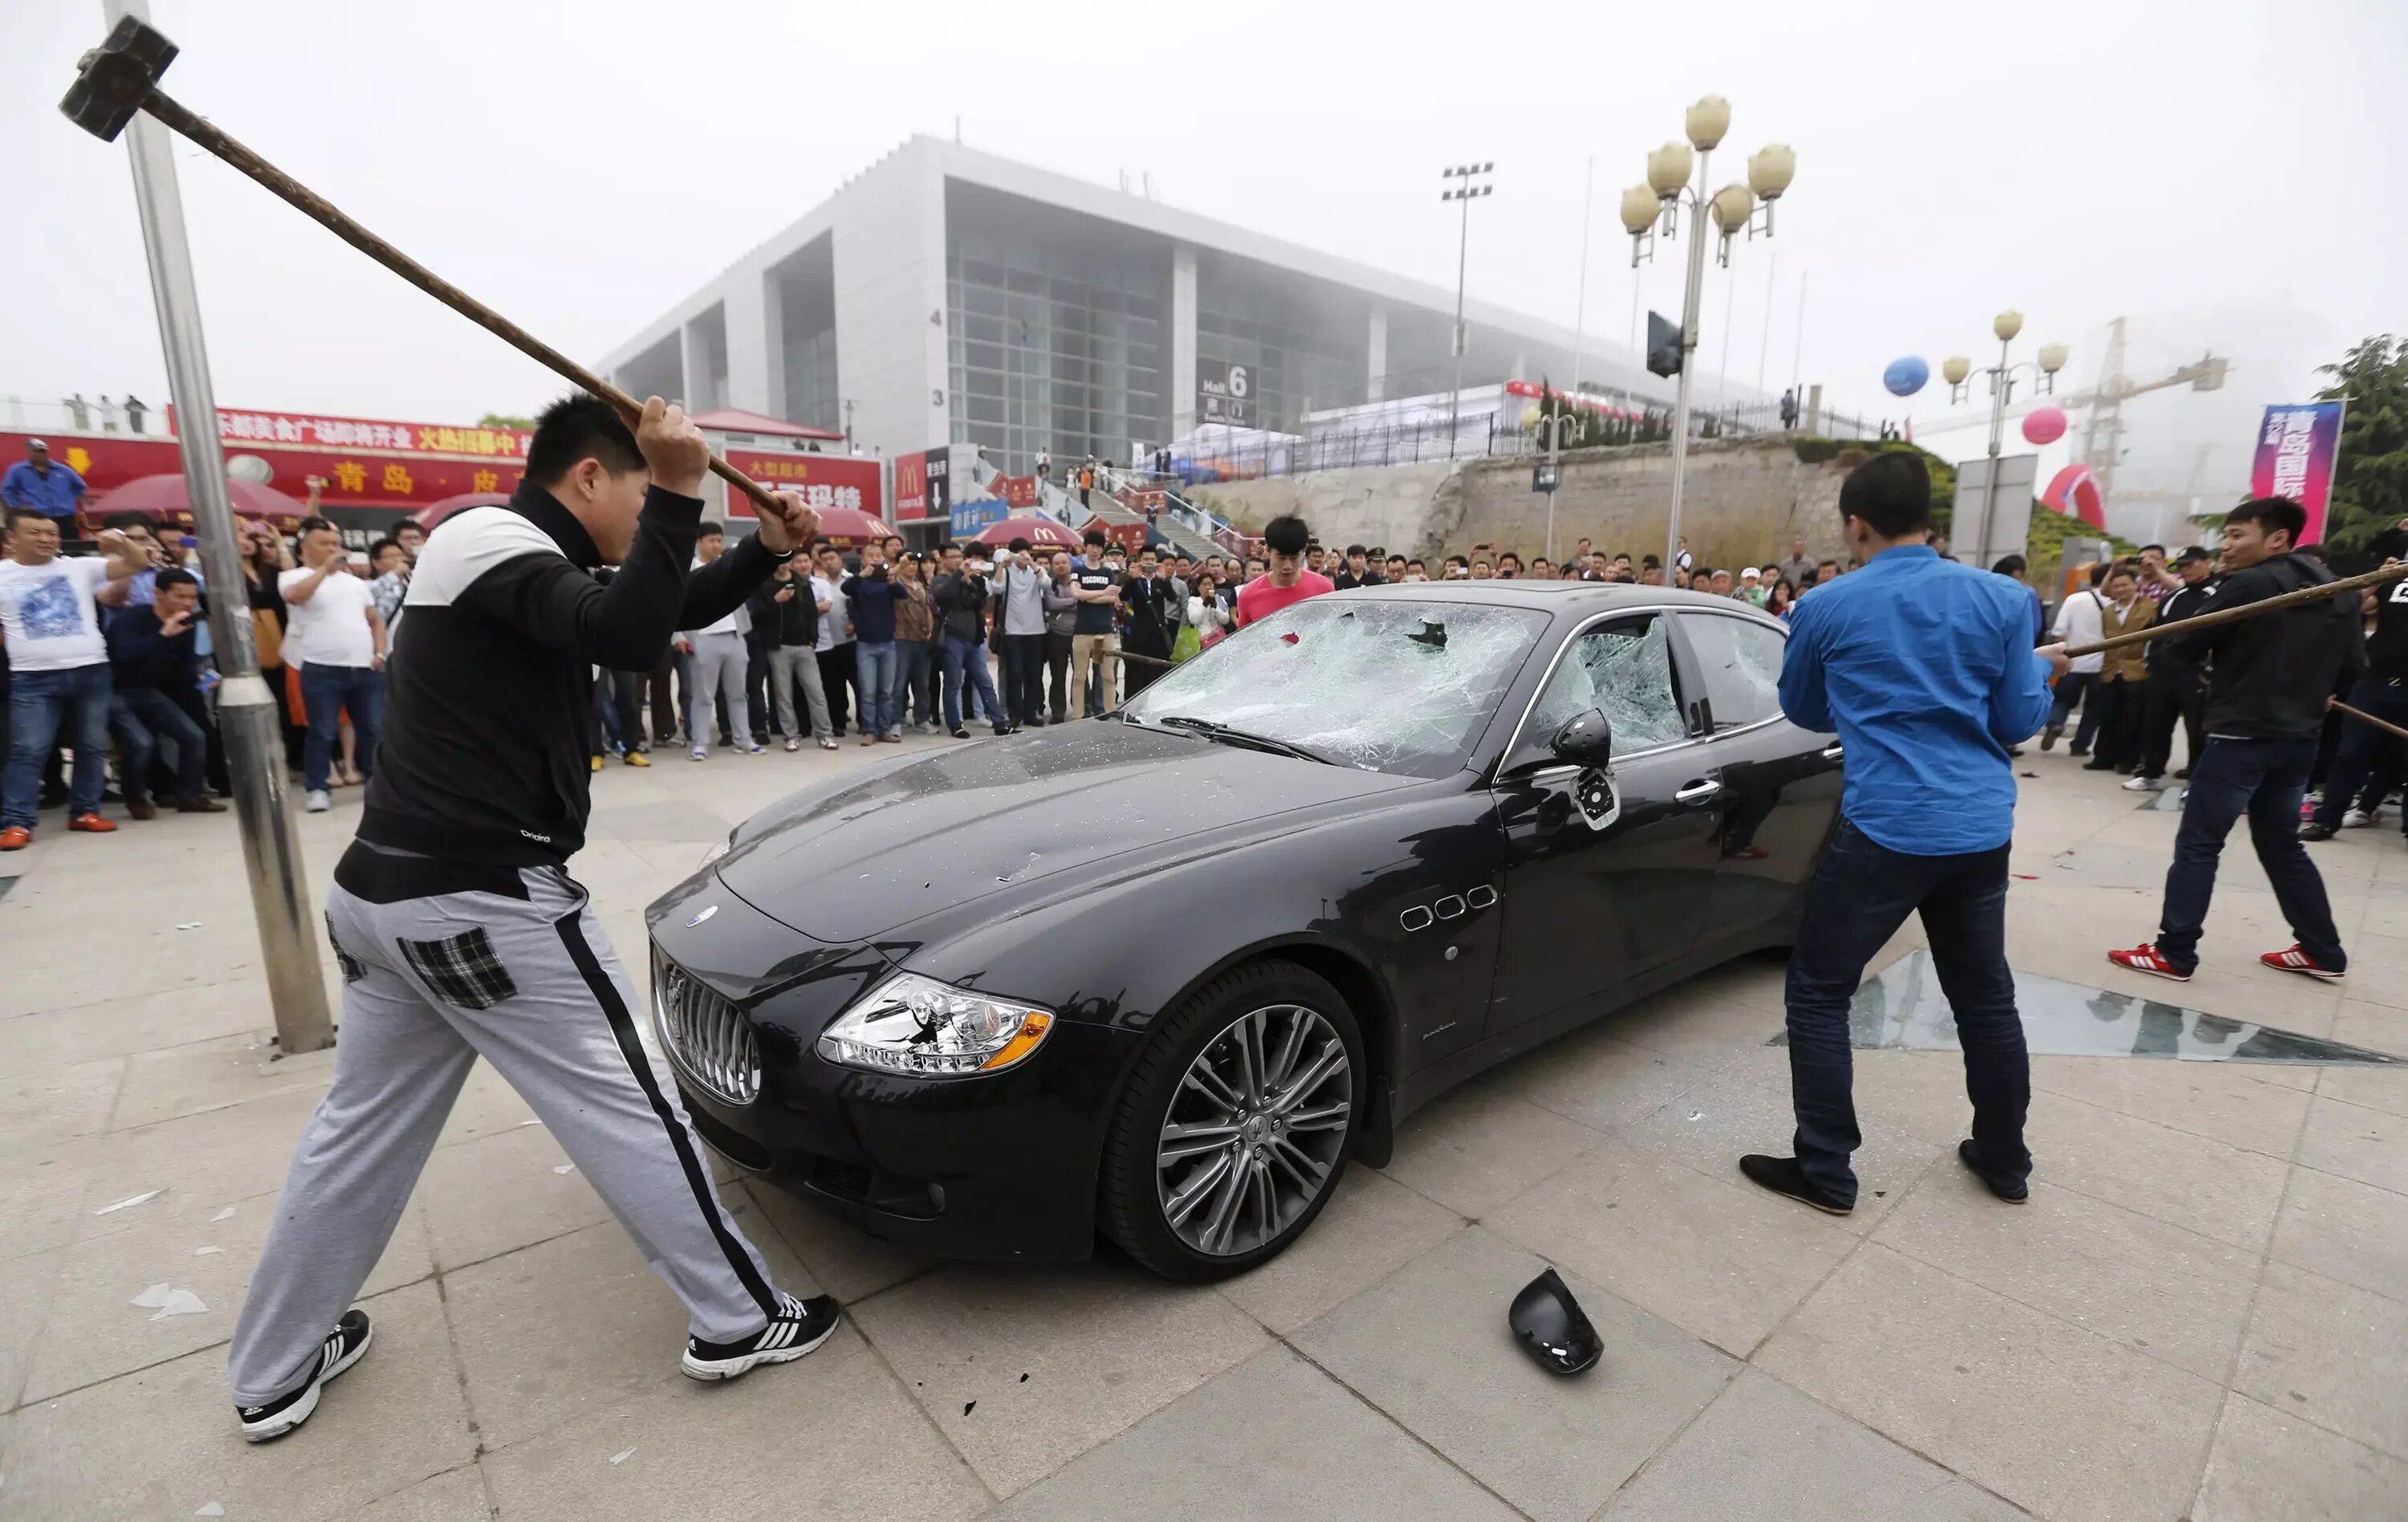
[1905,377]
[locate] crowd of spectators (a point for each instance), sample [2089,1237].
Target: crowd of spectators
[873,641]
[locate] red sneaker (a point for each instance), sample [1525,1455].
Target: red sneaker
[91,825]
[15,838]
[2296,960]
[2145,958]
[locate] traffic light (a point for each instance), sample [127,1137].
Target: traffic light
[1663,347]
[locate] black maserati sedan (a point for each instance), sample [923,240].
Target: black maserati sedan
[1160,974]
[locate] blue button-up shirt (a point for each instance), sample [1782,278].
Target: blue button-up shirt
[53,494]
[1926,669]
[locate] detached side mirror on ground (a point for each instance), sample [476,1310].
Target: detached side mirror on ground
[1585,740]
[1551,1326]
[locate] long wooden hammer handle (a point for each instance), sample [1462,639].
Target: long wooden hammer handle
[317,209]
[2340,707]
[2247,609]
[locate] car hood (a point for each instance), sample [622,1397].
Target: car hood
[863,855]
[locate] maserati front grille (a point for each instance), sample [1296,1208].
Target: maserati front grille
[706,1035]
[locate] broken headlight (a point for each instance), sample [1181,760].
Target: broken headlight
[914,1024]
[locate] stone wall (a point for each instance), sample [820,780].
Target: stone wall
[1745,501]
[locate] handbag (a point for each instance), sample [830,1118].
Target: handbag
[1187,646]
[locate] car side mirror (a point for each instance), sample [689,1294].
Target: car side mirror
[1586,740]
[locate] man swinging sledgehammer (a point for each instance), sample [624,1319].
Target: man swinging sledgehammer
[461,933]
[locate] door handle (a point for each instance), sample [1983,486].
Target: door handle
[1833,751]
[1699,792]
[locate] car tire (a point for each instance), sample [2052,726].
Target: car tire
[1132,1208]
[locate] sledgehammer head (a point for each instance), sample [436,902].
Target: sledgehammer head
[113,79]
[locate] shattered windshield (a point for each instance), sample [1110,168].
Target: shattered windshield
[1387,686]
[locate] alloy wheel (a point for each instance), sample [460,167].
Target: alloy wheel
[1256,1130]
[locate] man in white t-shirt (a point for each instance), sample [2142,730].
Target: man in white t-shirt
[333,618]
[49,618]
[2081,621]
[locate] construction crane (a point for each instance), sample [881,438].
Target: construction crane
[2129,513]
[2102,434]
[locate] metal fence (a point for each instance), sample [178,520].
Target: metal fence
[106,415]
[1485,436]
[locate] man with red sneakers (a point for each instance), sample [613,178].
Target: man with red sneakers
[2266,696]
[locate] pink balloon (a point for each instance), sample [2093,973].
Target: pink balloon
[2044,424]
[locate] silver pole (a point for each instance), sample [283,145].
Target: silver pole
[1688,366]
[247,709]
[1580,332]
[2000,381]
[1798,354]
[1580,309]
[1764,345]
[1462,263]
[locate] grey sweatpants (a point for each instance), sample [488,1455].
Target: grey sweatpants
[515,970]
[788,665]
[718,666]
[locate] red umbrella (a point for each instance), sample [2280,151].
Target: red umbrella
[165,498]
[1041,533]
[847,529]
[436,511]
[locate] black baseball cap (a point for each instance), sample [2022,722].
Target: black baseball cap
[2192,556]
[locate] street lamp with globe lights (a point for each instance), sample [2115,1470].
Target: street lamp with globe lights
[1653,209]
[1957,370]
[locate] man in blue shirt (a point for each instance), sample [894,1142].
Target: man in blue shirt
[54,491]
[1926,669]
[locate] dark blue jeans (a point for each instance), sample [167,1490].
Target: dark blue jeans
[922,660]
[144,716]
[38,702]
[2072,688]
[966,660]
[2365,751]
[326,692]
[2264,778]
[1862,893]
[877,666]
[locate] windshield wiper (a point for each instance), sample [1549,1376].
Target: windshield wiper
[1221,732]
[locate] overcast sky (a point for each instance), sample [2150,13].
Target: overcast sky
[2227,175]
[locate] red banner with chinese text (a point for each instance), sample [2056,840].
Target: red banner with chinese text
[826,481]
[362,478]
[236,425]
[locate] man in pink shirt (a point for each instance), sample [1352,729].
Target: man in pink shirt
[1286,581]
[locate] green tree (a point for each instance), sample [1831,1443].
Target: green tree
[2370,490]
[503,419]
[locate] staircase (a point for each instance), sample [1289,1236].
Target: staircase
[1188,528]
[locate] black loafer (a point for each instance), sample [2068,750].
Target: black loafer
[1783,1176]
[1971,1156]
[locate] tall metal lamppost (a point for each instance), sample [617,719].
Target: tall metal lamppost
[1466,190]
[1653,209]
[1957,370]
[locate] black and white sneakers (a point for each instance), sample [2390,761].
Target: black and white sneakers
[342,1349]
[798,1327]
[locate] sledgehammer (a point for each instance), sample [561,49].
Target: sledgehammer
[121,77]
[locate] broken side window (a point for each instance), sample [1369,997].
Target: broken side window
[1625,670]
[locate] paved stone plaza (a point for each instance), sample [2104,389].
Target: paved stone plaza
[2202,1313]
